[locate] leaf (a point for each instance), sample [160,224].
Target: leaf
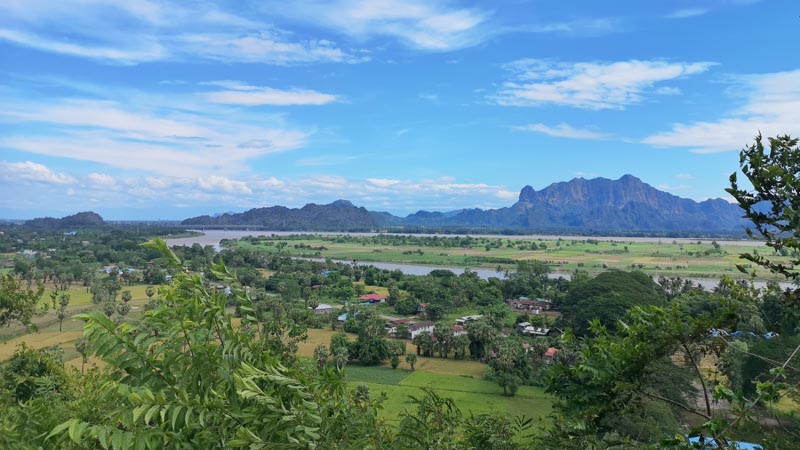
[60,428]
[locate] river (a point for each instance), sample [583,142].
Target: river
[214,237]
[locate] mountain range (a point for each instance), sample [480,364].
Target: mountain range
[599,205]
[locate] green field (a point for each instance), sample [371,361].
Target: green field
[460,380]
[471,395]
[665,257]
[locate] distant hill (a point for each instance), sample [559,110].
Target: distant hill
[81,219]
[598,205]
[339,215]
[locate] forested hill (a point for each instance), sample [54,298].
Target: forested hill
[339,215]
[81,219]
[597,205]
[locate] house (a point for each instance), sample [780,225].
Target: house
[458,330]
[391,326]
[372,298]
[342,317]
[323,308]
[467,319]
[420,327]
[534,331]
[525,304]
[549,355]
[421,308]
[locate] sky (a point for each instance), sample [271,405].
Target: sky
[145,109]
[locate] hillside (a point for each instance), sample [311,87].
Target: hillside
[339,215]
[81,219]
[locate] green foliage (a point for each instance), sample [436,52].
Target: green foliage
[34,373]
[18,304]
[773,204]
[185,377]
[607,297]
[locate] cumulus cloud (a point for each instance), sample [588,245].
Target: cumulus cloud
[771,105]
[31,171]
[589,85]
[562,130]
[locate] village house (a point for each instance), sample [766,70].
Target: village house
[458,330]
[420,327]
[467,319]
[323,308]
[372,298]
[391,326]
[528,305]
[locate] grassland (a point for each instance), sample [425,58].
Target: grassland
[460,380]
[666,257]
[48,333]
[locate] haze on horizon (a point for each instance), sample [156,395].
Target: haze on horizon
[166,110]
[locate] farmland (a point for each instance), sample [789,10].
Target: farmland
[707,259]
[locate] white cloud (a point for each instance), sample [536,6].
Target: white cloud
[217,183]
[148,132]
[589,85]
[687,13]
[101,180]
[147,52]
[383,182]
[562,130]
[685,176]
[431,25]
[31,171]
[770,105]
[136,31]
[243,94]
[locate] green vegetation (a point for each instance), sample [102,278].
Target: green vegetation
[666,257]
[471,395]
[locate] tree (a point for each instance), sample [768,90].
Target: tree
[443,339]
[149,291]
[340,357]
[82,347]
[773,204]
[18,304]
[126,296]
[411,359]
[481,335]
[424,343]
[61,313]
[607,297]
[34,373]
[511,367]
[321,355]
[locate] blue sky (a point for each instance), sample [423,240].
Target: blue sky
[162,110]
